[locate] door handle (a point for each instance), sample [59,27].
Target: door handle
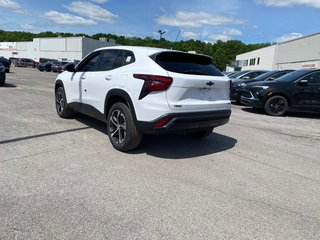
[108,78]
[83,77]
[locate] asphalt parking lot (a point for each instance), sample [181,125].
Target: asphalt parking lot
[257,177]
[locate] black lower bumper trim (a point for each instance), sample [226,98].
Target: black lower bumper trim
[184,122]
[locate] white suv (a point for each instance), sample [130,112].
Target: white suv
[141,90]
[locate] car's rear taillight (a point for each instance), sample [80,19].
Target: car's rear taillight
[153,83]
[162,122]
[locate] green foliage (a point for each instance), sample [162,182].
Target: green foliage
[222,53]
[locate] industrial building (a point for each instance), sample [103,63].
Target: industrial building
[62,48]
[295,54]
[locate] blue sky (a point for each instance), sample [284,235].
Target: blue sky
[251,21]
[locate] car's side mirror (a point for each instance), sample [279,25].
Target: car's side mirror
[270,78]
[70,67]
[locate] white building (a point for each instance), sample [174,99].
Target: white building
[64,49]
[294,54]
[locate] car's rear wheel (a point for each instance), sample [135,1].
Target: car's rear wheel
[201,134]
[276,106]
[122,131]
[2,82]
[61,104]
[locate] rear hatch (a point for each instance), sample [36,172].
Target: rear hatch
[197,85]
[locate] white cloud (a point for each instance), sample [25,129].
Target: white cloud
[13,5]
[232,32]
[190,35]
[67,19]
[91,11]
[221,37]
[195,20]
[99,1]
[288,37]
[27,26]
[289,3]
[10,4]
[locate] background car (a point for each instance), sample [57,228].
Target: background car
[2,75]
[58,66]
[25,62]
[246,74]
[6,63]
[141,90]
[47,66]
[295,91]
[238,84]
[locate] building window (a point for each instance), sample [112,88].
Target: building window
[258,61]
[252,61]
[245,63]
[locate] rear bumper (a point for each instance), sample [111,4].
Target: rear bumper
[185,122]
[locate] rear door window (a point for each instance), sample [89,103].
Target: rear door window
[112,59]
[186,63]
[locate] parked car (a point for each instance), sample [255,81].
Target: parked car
[6,63]
[141,90]
[58,66]
[2,75]
[295,91]
[238,84]
[247,74]
[47,66]
[25,62]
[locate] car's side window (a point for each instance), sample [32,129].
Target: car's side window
[313,77]
[128,57]
[90,63]
[110,59]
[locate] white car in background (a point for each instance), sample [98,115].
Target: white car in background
[142,90]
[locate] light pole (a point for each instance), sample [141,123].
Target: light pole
[161,33]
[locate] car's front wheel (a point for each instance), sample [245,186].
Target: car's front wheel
[122,131]
[276,106]
[61,104]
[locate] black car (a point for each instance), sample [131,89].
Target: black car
[46,66]
[58,66]
[295,91]
[6,63]
[2,75]
[238,84]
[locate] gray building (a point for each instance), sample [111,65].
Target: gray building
[294,54]
[64,49]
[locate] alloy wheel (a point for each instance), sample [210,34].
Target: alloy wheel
[59,102]
[118,126]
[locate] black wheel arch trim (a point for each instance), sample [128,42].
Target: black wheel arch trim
[282,94]
[119,93]
[57,84]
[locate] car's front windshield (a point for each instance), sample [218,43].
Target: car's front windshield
[237,74]
[292,76]
[264,76]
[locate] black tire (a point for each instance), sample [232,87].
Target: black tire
[121,129]
[276,106]
[61,104]
[2,83]
[200,134]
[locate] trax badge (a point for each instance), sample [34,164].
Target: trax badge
[210,83]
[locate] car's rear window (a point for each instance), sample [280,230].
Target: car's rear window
[186,63]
